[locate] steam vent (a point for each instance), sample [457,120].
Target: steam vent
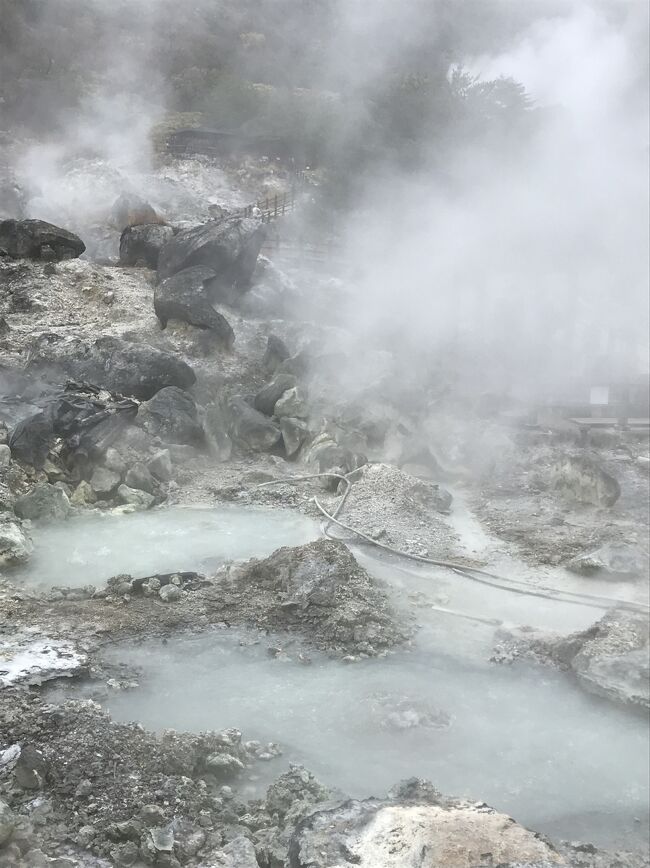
[324,434]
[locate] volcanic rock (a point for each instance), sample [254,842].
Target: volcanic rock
[36,239]
[250,428]
[15,544]
[185,297]
[269,395]
[141,244]
[171,415]
[229,247]
[110,363]
[276,353]
[44,501]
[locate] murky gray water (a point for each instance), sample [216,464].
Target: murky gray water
[90,549]
[525,739]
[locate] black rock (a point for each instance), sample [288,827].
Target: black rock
[267,397]
[276,353]
[229,247]
[111,363]
[36,239]
[86,423]
[142,244]
[185,297]
[31,438]
[250,428]
[171,415]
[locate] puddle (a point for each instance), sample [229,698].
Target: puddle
[88,550]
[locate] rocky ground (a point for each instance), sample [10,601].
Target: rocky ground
[125,389]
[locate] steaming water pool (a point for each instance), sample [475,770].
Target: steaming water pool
[523,738]
[526,739]
[88,550]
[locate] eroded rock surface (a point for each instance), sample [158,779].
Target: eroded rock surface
[184,297]
[229,247]
[610,659]
[581,478]
[112,363]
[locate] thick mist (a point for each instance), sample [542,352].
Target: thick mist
[525,259]
[500,230]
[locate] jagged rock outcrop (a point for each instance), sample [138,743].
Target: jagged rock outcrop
[581,478]
[229,247]
[141,244]
[249,428]
[86,421]
[185,297]
[269,395]
[172,415]
[416,827]
[611,658]
[36,239]
[111,363]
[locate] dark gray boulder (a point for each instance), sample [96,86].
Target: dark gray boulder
[85,422]
[31,438]
[250,428]
[36,239]
[229,247]
[44,501]
[185,297]
[276,353]
[294,434]
[269,395]
[140,477]
[111,363]
[171,415]
[141,245]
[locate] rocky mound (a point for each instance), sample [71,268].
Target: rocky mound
[414,827]
[610,659]
[317,590]
[115,790]
[401,510]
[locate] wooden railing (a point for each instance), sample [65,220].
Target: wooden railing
[271,208]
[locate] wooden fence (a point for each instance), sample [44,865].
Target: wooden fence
[271,208]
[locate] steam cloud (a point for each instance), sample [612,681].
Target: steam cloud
[525,260]
[532,266]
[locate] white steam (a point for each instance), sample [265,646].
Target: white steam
[533,272]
